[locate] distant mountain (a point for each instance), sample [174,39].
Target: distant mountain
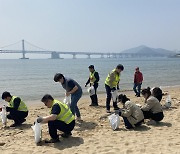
[147,51]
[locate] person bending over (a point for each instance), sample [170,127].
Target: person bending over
[60,118]
[131,113]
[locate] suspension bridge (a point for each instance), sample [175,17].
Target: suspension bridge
[57,54]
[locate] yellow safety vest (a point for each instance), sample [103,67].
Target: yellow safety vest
[116,80]
[65,114]
[92,77]
[22,105]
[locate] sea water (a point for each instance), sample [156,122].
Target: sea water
[32,78]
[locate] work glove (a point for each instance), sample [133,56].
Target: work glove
[39,119]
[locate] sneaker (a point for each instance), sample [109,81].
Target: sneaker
[79,119]
[23,120]
[52,140]
[151,122]
[93,105]
[66,135]
[108,111]
[15,125]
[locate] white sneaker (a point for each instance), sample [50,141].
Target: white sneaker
[151,122]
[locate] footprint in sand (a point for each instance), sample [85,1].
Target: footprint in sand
[2,143]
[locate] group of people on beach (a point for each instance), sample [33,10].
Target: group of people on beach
[62,116]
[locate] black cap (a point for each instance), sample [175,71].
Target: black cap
[91,66]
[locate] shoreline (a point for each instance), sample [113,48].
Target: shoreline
[99,93]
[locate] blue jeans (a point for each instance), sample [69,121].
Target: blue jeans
[137,88]
[74,100]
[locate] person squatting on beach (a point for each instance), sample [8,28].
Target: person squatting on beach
[72,88]
[93,80]
[111,83]
[60,118]
[152,108]
[157,92]
[131,113]
[17,109]
[138,78]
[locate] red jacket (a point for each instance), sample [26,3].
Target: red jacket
[138,77]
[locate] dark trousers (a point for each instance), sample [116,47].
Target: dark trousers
[108,99]
[156,116]
[128,124]
[59,125]
[94,99]
[137,88]
[17,116]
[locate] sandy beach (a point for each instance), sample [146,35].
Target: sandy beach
[94,134]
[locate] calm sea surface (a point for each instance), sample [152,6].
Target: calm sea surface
[31,79]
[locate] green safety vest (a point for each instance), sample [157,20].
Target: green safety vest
[22,105]
[92,77]
[65,114]
[116,80]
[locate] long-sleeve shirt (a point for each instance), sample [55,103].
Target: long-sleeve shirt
[96,75]
[132,112]
[152,104]
[16,104]
[138,77]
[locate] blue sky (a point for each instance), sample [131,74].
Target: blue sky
[90,25]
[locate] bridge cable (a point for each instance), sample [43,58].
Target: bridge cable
[10,45]
[36,46]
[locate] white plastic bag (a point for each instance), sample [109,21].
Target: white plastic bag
[114,95]
[37,132]
[114,121]
[91,90]
[3,116]
[168,102]
[67,100]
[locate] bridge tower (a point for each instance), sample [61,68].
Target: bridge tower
[23,51]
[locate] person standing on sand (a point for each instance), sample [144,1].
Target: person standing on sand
[93,80]
[138,78]
[17,109]
[60,118]
[72,88]
[111,83]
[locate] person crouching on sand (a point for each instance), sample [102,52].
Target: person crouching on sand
[17,109]
[131,113]
[152,108]
[60,118]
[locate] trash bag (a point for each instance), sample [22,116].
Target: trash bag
[91,90]
[168,102]
[114,95]
[114,121]
[3,115]
[67,100]
[37,132]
